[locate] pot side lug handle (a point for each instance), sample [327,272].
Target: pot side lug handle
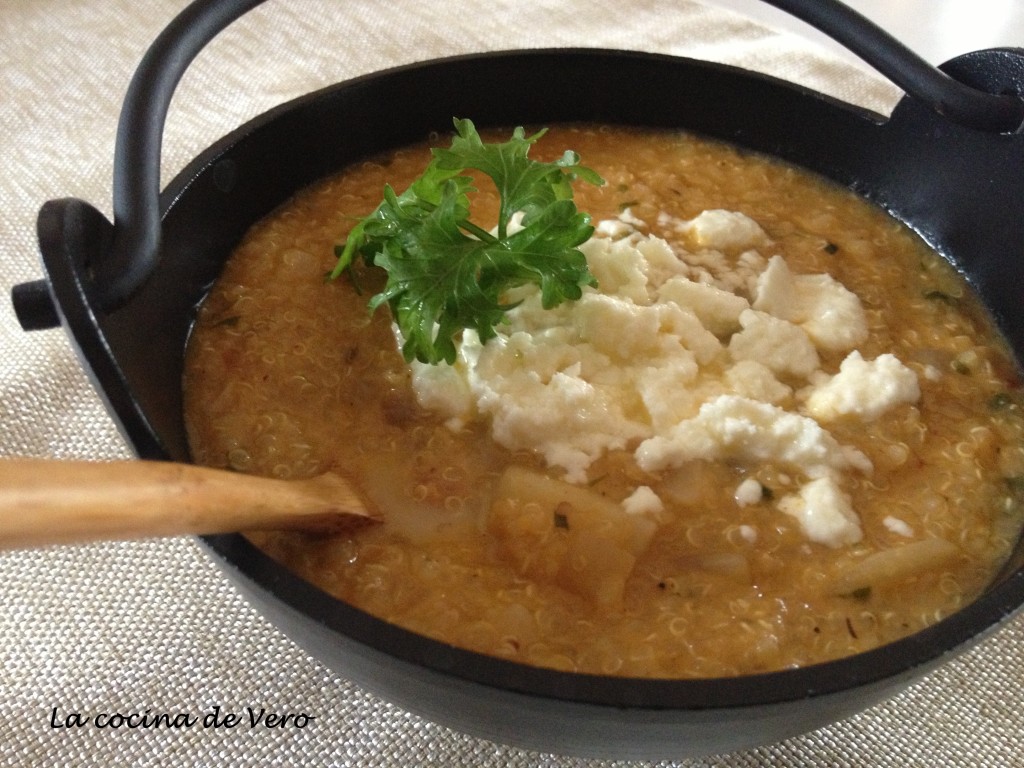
[73,236]
[34,306]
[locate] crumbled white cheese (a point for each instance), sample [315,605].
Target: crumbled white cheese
[864,388]
[733,428]
[670,392]
[782,346]
[681,355]
[660,261]
[623,226]
[627,331]
[444,390]
[830,314]
[749,378]
[775,292]
[824,513]
[619,267]
[627,216]
[533,389]
[898,526]
[617,328]
[613,228]
[717,309]
[681,327]
[724,231]
[643,501]
[709,264]
[749,492]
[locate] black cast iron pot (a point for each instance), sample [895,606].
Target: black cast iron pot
[949,162]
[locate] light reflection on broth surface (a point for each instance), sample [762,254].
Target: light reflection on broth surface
[288,375]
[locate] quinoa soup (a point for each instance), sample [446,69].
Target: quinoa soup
[779,431]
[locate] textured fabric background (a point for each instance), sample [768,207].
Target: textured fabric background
[153,625]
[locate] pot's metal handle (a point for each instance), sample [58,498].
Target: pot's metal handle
[959,103]
[136,207]
[119,258]
[119,270]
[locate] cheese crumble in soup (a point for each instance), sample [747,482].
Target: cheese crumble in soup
[776,417]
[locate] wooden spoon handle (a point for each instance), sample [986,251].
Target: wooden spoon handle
[46,501]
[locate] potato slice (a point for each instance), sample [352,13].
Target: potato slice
[568,535]
[898,563]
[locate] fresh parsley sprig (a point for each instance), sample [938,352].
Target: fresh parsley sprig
[446,273]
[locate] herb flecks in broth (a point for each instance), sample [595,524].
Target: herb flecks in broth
[697,564]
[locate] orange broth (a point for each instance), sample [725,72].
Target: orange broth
[288,375]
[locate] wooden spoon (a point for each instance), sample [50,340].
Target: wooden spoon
[44,501]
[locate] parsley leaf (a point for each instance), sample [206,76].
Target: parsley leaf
[446,273]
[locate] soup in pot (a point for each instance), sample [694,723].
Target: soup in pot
[779,430]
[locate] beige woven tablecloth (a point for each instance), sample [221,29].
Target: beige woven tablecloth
[153,626]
